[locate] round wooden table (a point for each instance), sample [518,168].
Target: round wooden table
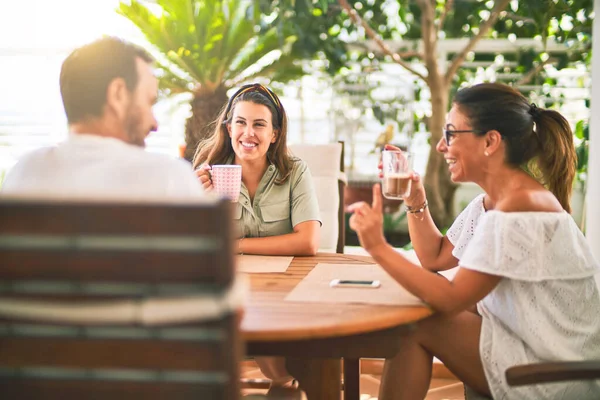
[314,336]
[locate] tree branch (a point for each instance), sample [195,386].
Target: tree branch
[412,53]
[534,71]
[377,39]
[516,17]
[447,8]
[499,6]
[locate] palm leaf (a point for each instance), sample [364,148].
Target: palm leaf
[150,25]
[240,31]
[168,79]
[256,50]
[205,44]
[283,69]
[164,33]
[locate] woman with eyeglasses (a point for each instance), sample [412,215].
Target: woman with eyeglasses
[277,212]
[525,290]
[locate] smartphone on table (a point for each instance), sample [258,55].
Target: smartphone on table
[351,283]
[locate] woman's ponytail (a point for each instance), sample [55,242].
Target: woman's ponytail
[556,159]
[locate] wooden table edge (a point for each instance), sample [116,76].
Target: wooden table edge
[336,330]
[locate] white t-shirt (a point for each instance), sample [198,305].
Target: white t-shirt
[95,167]
[546,306]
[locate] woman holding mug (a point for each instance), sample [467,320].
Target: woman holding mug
[277,212]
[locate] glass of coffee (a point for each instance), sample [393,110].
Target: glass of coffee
[397,167]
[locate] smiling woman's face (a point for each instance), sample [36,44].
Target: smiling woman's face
[251,131]
[464,155]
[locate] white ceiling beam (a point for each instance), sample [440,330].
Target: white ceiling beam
[456,45]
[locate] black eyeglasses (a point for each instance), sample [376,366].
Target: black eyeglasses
[449,133]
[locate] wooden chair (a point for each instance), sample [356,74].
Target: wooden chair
[531,374]
[117,301]
[326,164]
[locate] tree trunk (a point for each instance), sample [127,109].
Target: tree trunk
[440,189]
[205,111]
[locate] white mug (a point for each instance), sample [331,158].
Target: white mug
[227,180]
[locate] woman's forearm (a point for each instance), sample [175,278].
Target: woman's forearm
[433,289]
[441,294]
[427,241]
[291,244]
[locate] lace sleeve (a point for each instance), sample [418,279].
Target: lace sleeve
[461,231]
[529,246]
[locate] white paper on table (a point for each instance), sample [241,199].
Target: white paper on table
[315,286]
[263,264]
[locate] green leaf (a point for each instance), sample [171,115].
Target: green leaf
[582,152]
[579,129]
[258,48]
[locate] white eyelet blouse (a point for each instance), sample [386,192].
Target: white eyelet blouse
[547,307]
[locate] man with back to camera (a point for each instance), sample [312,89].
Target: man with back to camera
[108,90]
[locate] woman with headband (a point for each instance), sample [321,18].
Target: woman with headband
[277,212]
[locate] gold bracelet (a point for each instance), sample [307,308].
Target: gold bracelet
[416,210]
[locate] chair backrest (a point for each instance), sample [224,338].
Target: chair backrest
[553,372]
[117,301]
[326,164]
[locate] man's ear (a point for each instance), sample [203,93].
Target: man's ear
[118,97]
[493,140]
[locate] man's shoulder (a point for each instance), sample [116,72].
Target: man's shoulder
[36,154]
[31,159]
[158,161]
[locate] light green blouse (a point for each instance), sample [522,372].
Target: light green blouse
[276,209]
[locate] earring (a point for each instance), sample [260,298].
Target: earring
[485,153]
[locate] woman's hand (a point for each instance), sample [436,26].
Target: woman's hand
[203,174]
[416,197]
[367,221]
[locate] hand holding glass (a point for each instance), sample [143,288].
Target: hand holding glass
[397,168]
